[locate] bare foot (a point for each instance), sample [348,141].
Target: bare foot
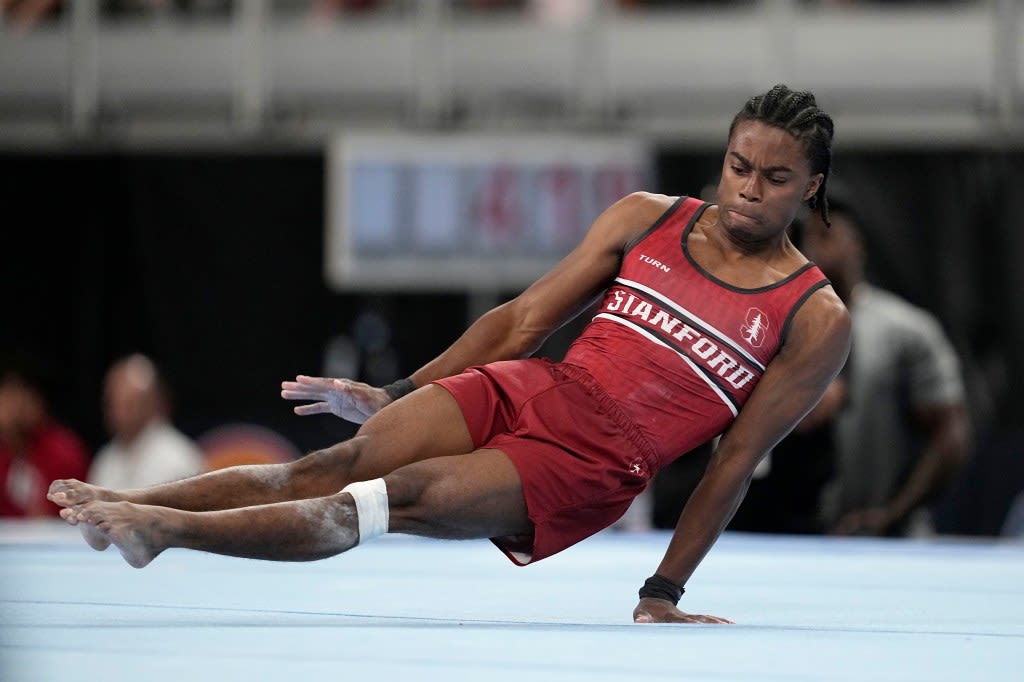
[132,528]
[93,537]
[71,493]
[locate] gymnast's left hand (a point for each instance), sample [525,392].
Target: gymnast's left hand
[351,400]
[661,611]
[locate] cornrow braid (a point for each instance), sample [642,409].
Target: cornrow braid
[797,113]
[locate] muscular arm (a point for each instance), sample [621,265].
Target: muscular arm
[518,328]
[512,330]
[794,382]
[947,447]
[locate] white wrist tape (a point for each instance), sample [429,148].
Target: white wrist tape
[371,498]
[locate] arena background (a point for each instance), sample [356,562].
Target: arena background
[206,250]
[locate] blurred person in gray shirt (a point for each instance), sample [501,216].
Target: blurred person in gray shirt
[904,430]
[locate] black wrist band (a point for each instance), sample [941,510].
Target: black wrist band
[399,388]
[657,587]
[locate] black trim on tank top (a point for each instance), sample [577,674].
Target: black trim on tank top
[669,212]
[684,243]
[797,304]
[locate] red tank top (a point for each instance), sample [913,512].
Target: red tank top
[679,350]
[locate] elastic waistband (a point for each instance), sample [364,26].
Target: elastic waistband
[614,410]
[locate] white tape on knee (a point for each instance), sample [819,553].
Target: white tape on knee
[371,498]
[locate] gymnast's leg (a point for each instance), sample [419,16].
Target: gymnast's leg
[475,495]
[424,424]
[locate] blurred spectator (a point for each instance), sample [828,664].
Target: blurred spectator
[331,10]
[189,8]
[34,448]
[903,431]
[145,448]
[645,4]
[23,14]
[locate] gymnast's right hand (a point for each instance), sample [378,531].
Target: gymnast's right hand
[663,611]
[353,401]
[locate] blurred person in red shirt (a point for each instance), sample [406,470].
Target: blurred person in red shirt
[34,447]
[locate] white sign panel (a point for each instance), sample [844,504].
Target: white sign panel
[442,211]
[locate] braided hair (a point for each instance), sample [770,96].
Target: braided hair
[798,114]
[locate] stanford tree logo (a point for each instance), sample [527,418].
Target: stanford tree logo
[754,327]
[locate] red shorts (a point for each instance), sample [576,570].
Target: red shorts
[581,460]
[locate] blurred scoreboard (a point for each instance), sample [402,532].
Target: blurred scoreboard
[458,211]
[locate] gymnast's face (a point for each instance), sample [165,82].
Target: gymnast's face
[765,179]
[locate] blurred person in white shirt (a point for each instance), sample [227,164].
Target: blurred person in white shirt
[145,447]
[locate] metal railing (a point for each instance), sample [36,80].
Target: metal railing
[910,75]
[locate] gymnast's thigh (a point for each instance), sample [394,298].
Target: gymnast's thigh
[425,424]
[476,495]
